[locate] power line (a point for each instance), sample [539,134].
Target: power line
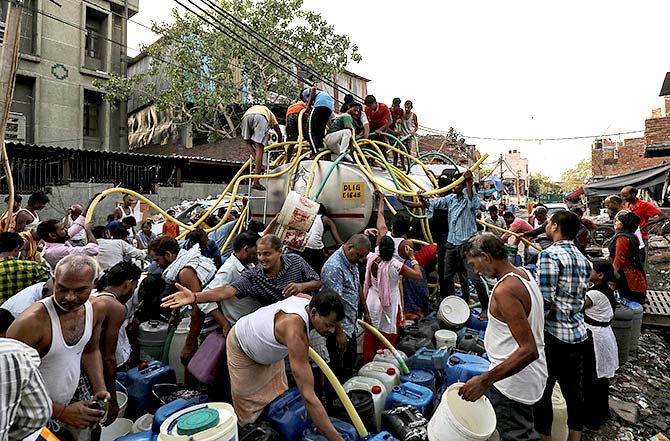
[271,45]
[564,138]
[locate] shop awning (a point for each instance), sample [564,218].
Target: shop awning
[645,178]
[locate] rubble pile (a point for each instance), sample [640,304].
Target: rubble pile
[639,395]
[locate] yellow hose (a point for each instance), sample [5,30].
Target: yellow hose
[494,227]
[385,342]
[312,171]
[341,394]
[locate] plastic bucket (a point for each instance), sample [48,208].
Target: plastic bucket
[458,420]
[143,423]
[120,427]
[298,212]
[445,338]
[454,312]
[197,419]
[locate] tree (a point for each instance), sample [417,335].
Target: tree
[204,73]
[575,177]
[539,184]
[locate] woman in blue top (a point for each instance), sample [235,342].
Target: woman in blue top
[320,107]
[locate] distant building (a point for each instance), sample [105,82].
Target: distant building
[65,46]
[612,158]
[514,170]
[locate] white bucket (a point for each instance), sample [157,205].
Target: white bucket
[445,338]
[122,399]
[225,430]
[143,423]
[559,426]
[295,220]
[376,388]
[454,312]
[458,420]
[120,427]
[387,373]
[174,355]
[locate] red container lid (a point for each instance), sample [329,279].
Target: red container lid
[376,390]
[390,371]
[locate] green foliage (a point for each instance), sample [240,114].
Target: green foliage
[575,177]
[198,73]
[540,184]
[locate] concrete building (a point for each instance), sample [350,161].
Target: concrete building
[65,46]
[612,158]
[514,171]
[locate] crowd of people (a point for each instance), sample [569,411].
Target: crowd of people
[72,295]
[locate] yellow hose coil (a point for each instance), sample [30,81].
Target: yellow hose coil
[341,394]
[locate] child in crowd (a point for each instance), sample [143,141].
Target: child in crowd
[170,228]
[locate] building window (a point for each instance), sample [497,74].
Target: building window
[92,102]
[92,34]
[95,43]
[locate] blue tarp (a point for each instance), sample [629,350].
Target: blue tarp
[497,183]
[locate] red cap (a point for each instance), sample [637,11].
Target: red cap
[376,390]
[390,371]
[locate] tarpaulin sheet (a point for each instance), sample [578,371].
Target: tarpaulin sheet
[645,178]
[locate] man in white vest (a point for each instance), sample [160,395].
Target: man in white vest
[514,341]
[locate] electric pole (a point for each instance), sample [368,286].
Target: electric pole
[9,59]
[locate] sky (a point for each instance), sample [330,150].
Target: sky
[492,69]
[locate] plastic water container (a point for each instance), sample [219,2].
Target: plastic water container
[153,334]
[462,367]
[411,394]
[259,431]
[174,354]
[636,324]
[388,357]
[120,427]
[409,344]
[474,322]
[426,358]
[288,415]
[406,423]
[143,423]
[445,338]
[622,325]
[346,431]
[422,377]
[167,410]
[202,422]
[298,212]
[387,373]
[421,327]
[454,312]
[383,436]
[472,343]
[559,426]
[375,387]
[364,405]
[461,333]
[140,381]
[458,420]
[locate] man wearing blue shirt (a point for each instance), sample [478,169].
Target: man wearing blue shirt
[320,107]
[462,204]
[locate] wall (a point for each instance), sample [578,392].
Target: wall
[62,197]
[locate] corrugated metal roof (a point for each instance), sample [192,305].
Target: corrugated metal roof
[122,154]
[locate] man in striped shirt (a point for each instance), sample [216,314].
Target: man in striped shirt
[563,276]
[462,204]
[25,405]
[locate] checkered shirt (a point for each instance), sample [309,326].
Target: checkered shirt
[17,274]
[563,275]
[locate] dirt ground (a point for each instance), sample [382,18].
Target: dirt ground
[640,393]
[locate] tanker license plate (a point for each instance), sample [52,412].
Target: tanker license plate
[354,191]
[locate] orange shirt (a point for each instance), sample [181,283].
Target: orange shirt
[170,229]
[296,108]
